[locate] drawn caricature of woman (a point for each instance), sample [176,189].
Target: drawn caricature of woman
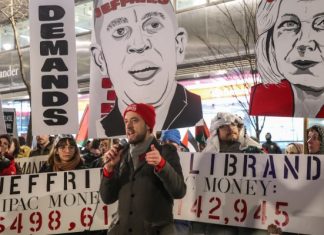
[290,57]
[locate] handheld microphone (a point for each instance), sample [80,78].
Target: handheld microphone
[121,145]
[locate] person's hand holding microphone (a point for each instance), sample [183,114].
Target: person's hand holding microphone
[112,157]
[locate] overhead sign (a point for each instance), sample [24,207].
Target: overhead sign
[53,67]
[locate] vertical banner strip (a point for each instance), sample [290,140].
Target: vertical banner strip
[53,67]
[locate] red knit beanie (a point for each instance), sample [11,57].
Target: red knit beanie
[146,111]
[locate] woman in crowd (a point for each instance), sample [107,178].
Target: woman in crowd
[64,155]
[315,143]
[294,148]
[7,162]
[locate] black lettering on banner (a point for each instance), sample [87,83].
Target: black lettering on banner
[250,187]
[31,182]
[54,98]
[228,165]
[29,203]
[55,202]
[191,171]
[250,165]
[54,63]
[52,30]
[270,168]
[309,168]
[48,47]
[293,170]
[60,81]
[1,184]
[87,178]
[71,180]
[212,164]
[14,184]
[69,199]
[50,181]
[55,118]
[50,12]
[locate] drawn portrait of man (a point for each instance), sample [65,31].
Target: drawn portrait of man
[290,58]
[138,45]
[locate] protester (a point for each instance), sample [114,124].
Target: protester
[173,137]
[86,148]
[144,177]
[104,146]
[43,146]
[7,162]
[93,154]
[24,150]
[315,143]
[269,146]
[14,147]
[294,148]
[64,156]
[227,135]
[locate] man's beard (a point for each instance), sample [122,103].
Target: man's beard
[139,138]
[232,138]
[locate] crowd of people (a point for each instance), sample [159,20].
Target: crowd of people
[153,162]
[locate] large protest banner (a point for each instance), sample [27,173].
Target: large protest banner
[254,190]
[247,190]
[52,203]
[53,68]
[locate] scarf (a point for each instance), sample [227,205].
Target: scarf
[138,149]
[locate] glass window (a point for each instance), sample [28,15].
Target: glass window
[6,38]
[83,17]
[184,4]
[23,32]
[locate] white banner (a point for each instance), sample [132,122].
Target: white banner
[31,165]
[58,202]
[247,190]
[53,67]
[254,191]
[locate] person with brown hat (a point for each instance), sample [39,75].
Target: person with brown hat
[143,176]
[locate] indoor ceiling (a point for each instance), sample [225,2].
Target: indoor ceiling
[18,8]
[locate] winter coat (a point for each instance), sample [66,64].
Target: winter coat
[145,196]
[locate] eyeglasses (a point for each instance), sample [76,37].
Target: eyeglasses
[68,147]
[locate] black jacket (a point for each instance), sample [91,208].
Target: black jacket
[185,111]
[145,197]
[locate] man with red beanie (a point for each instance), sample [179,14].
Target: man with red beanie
[143,176]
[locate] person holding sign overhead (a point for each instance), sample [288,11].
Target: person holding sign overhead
[143,176]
